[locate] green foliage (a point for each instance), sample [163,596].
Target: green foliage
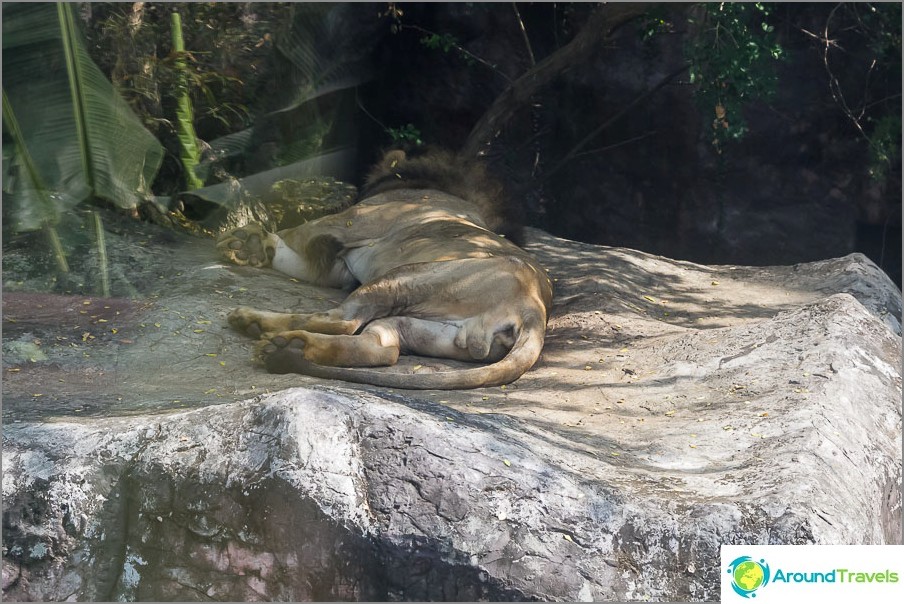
[733,59]
[873,106]
[655,23]
[885,147]
[449,44]
[189,154]
[405,134]
[881,24]
[653,27]
[82,139]
[217,76]
[26,178]
[132,43]
[444,42]
[266,81]
[35,198]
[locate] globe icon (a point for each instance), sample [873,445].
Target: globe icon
[748,575]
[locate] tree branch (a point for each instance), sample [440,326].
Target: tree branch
[622,112]
[600,24]
[461,49]
[530,51]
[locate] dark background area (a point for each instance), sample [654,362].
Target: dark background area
[796,188]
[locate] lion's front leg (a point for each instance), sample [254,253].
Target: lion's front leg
[253,322]
[249,245]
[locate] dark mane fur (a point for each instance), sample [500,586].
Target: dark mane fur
[433,168]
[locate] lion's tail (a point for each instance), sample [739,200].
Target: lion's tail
[520,358]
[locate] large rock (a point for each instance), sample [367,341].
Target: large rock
[676,407]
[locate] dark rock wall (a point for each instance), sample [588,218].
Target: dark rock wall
[795,189]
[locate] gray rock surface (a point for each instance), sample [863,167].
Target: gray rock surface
[676,407]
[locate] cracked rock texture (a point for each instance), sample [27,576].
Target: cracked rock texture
[676,407]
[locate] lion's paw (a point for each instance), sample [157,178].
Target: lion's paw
[281,353]
[246,320]
[249,245]
[271,343]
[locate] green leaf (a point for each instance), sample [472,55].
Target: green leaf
[38,201]
[84,140]
[26,177]
[407,133]
[189,153]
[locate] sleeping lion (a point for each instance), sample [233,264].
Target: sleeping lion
[428,254]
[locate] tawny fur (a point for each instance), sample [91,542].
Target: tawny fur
[430,275]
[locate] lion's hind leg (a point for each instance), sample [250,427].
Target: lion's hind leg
[378,345]
[286,352]
[254,323]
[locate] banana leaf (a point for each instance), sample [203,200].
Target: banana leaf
[29,183]
[83,138]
